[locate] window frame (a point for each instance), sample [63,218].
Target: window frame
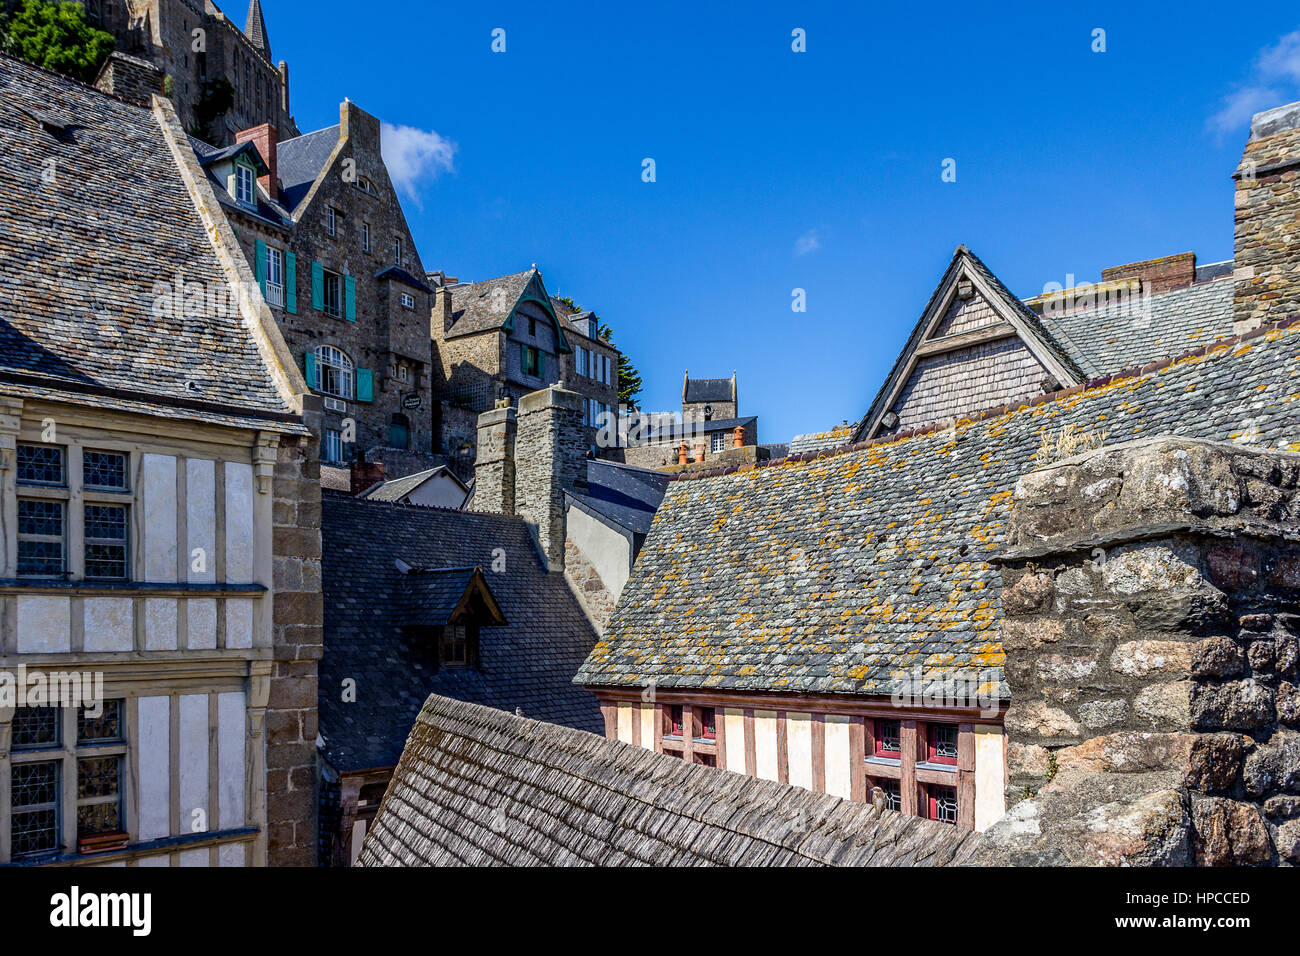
[331,221]
[932,756]
[365,236]
[462,634]
[329,438]
[245,177]
[124,542]
[275,290]
[61,504]
[718,442]
[336,373]
[334,280]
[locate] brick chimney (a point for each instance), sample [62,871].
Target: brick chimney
[267,140]
[551,459]
[1157,275]
[364,474]
[129,78]
[1267,257]
[494,468]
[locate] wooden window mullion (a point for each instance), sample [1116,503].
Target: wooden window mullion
[907,765]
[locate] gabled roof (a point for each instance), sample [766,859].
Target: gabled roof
[477,787]
[397,489]
[1012,318]
[87,305]
[398,274]
[268,208]
[707,389]
[435,597]
[300,161]
[681,430]
[624,495]
[528,662]
[490,304]
[853,572]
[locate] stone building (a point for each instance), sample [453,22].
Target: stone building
[193,44]
[321,225]
[159,507]
[836,620]
[506,337]
[709,429]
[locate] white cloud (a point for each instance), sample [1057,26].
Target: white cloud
[414,156]
[810,241]
[1273,81]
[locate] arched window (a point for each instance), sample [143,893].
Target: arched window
[335,372]
[399,432]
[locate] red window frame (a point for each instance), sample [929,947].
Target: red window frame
[708,726]
[880,749]
[675,720]
[932,744]
[933,793]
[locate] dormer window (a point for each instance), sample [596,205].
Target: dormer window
[245,186]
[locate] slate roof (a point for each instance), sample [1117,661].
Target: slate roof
[335,478]
[269,210]
[841,574]
[625,495]
[708,390]
[398,488]
[695,426]
[1117,334]
[832,438]
[432,595]
[484,306]
[401,275]
[528,663]
[300,160]
[82,256]
[477,787]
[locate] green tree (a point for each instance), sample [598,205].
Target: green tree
[629,379]
[56,36]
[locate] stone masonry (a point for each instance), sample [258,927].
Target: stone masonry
[1151,601]
[550,459]
[1268,220]
[494,469]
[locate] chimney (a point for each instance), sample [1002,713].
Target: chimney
[738,437]
[442,308]
[1267,255]
[267,139]
[1157,275]
[365,473]
[494,468]
[356,123]
[682,455]
[129,78]
[552,455]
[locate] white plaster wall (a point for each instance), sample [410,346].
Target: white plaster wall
[154,727]
[162,860]
[202,631]
[160,624]
[239,623]
[109,624]
[798,740]
[735,722]
[765,744]
[646,715]
[230,759]
[193,858]
[439,492]
[232,854]
[239,522]
[990,776]
[201,517]
[839,762]
[44,624]
[194,761]
[624,723]
[159,503]
[605,549]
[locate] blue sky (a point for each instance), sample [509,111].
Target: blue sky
[778,170]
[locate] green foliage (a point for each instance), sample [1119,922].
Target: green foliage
[629,379]
[56,36]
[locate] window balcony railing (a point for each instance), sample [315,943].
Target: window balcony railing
[275,294]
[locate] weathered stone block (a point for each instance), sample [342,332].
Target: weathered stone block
[1140,658]
[1165,705]
[1274,767]
[1236,705]
[1229,834]
[1217,657]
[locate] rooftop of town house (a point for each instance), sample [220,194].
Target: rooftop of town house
[484,306]
[708,390]
[625,495]
[91,320]
[395,489]
[478,787]
[847,571]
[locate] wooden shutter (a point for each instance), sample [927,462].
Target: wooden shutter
[309,369]
[365,385]
[259,265]
[317,286]
[350,298]
[291,283]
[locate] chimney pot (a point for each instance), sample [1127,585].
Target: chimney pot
[267,139]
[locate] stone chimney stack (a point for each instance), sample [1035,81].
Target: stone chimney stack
[129,78]
[494,468]
[364,473]
[551,460]
[1267,259]
[267,139]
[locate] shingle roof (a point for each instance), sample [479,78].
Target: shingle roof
[401,275]
[484,306]
[398,488]
[708,390]
[832,438]
[432,595]
[528,663]
[300,160]
[695,426]
[841,575]
[88,257]
[625,495]
[270,210]
[477,787]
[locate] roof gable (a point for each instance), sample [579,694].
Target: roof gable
[490,305]
[437,597]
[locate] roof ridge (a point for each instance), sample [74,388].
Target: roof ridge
[1137,371]
[76,82]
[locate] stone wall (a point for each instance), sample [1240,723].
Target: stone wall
[550,459]
[1151,600]
[494,467]
[1267,257]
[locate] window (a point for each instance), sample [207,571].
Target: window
[942,804]
[41,465]
[333,294]
[457,644]
[275,276]
[408,301]
[397,250]
[331,446]
[582,361]
[34,819]
[893,794]
[532,328]
[889,739]
[718,442]
[331,221]
[706,728]
[103,470]
[245,186]
[365,237]
[690,732]
[532,362]
[41,551]
[335,372]
[99,771]
[399,432]
[402,373]
[106,553]
[942,740]
[675,721]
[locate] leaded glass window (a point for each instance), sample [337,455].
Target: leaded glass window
[104,469]
[41,465]
[40,537]
[99,798]
[106,728]
[37,728]
[34,799]
[106,552]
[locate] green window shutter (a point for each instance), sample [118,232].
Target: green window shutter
[365,385]
[291,283]
[317,286]
[350,299]
[259,265]
[309,369]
